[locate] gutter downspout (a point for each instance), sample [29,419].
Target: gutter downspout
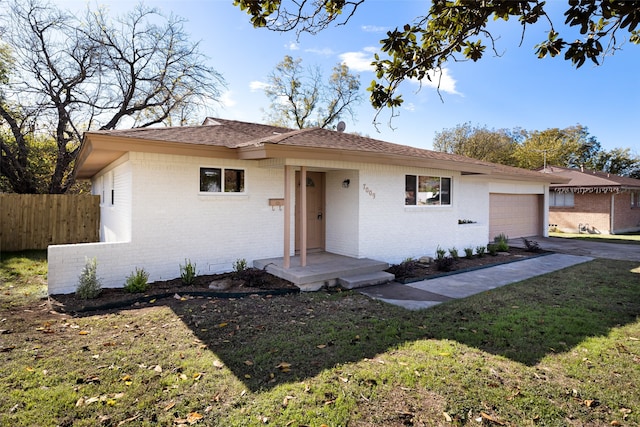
[612,213]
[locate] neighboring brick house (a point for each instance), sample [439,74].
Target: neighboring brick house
[229,190]
[593,202]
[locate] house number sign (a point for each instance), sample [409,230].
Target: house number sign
[368,191]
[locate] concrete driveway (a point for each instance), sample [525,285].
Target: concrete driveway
[590,248]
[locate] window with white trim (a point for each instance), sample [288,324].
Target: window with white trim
[422,190]
[635,199]
[221,180]
[559,199]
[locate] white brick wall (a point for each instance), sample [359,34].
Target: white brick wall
[173,221]
[115,219]
[391,231]
[160,218]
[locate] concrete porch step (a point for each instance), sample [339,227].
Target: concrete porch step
[322,269]
[367,279]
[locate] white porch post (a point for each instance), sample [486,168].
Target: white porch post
[287,217]
[303,216]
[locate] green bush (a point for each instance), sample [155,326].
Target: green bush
[453,253]
[440,253]
[501,240]
[188,272]
[445,263]
[404,269]
[493,249]
[480,250]
[468,253]
[137,281]
[89,286]
[531,245]
[240,265]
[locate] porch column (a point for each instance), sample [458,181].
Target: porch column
[286,263]
[303,216]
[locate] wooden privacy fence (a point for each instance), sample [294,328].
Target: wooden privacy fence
[35,221]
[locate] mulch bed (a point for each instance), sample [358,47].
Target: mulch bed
[113,298]
[263,284]
[416,271]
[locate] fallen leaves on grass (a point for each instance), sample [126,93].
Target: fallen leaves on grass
[489,418]
[109,399]
[284,366]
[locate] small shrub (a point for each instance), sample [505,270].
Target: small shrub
[440,253]
[493,249]
[137,281]
[480,251]
[188,272]
[531,245]
[444,263]
[453,253]
[501,240]
[89,285]
[240,265]
[404,269]
[468,253]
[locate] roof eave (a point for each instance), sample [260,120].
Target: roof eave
[105,149]
[266,151]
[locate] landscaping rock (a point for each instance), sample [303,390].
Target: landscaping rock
[221,285]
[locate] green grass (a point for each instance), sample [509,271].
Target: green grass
[556,350]
[23,277]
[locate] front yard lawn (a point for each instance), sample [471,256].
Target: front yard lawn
[558,350]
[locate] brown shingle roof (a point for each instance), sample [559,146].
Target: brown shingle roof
[587,180]
[234,134]
[221,133]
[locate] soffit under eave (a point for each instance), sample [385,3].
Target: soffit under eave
[522,177]
[271,151]
[100,150]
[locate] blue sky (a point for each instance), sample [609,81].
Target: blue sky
[513,90]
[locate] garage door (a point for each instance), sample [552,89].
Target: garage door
[516,215]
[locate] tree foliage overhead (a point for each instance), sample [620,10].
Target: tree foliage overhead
[69,74]
[458,30]
[571,147]
[300,98]
[477,142]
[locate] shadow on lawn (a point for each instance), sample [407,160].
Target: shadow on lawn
[267,341]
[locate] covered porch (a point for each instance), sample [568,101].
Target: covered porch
[324,269]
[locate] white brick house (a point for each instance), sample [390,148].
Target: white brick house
[228,190]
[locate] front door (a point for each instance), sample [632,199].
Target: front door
[315,210]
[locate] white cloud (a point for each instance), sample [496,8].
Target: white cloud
[256,86]
[409,106]
[440,78]
[373,29]
[227,100]
[359,61]
[292,46]
[323,52]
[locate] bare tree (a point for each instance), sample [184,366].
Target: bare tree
[75,74]
[299,97]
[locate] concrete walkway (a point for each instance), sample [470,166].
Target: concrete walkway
[427,293]
[592,247]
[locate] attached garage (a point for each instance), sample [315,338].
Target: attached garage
[516,215]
